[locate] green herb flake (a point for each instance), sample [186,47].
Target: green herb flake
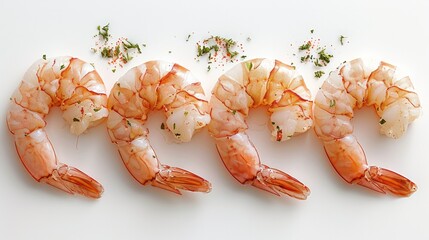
[305,46]
[312,31]
[318,74]
[234,112]
[342,39]
[127,58]
[107,52]
[189,36]
[97,109]
[324,57]
[209,68]
[113,70]
[129,123]
[44,56]
[104,31]
[62,67]
[162,126]
[174,126]
[243,57]
[129,45]
[76,120]
[186,113]
[382,121]
[249,65]
[273,123]
[177,134]
[332,103]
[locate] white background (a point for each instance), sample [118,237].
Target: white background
[394,31]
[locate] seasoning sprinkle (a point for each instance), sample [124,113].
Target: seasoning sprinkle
[382,121]
[342,39]
[318,74]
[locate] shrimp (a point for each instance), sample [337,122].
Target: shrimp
[251,84]
[353,86]
[79,91]
[157,85]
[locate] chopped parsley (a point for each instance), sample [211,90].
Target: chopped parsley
[127,58]
[318,74]
[305,46]
[97,109]
[382,121]
[312,31]
[103,32]
[332,103]
[342,39]
[62,67]
[107,52]
[219,50]
[129,123]
[324,57]
[117,52]
[129,45]
[44,56]
[234,111]
[76,120]
[162,126]
[249,65]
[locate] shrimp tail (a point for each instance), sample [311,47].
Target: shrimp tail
[175,179]
[273,180]
[74,181]
[383,180]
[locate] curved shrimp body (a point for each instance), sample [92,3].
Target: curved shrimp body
[353,86]
[157,85]
[251,84]
[78,90]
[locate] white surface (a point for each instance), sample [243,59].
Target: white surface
[382,30]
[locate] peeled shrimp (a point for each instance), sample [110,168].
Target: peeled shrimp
[78,90]
[251,84]
[353,86]
[157,85]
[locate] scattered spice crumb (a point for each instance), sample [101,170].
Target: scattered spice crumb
[219,51]
[119,52]
[311,51]
[44,56]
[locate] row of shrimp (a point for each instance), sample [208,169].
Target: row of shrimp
[79,91]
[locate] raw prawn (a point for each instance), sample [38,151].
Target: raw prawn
[251,84]
[79,91]
[353,86]
[157,85]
